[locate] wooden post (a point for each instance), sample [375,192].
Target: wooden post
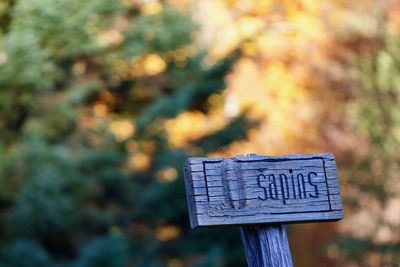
[260,193]
[266,245]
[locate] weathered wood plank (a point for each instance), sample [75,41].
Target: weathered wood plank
[262,189]
[189,193]
[205,220]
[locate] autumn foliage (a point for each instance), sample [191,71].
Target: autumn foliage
[102,100]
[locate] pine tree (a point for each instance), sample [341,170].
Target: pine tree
[72,74]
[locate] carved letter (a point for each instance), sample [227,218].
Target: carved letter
[283,178]
[315,186]
[264,188]
[273,183]
[304,185]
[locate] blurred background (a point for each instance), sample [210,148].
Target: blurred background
[101,101]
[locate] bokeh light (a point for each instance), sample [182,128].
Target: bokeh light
[102,101]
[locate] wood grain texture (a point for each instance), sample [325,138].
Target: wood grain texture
[262,189]
[266,246]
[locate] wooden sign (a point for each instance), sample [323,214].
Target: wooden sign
[262,189]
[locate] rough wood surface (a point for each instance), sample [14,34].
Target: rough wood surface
[262,189]
[266,245]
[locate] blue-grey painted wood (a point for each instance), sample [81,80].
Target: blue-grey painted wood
[257,189]
[226,191]
[266,245]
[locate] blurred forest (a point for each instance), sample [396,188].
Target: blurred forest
[101,101]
